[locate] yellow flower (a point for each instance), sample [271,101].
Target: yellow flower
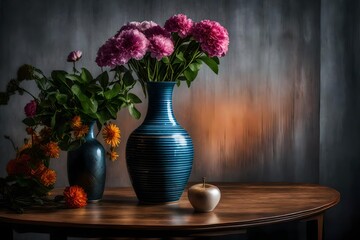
[111,135]
[113,155]
[51,150]
[48,177]
[76,122]
[81,131]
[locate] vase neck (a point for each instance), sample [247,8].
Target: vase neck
[160,107]
[90,135]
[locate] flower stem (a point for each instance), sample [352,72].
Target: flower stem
[12,142]
[20,88]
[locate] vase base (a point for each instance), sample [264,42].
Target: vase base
[94,201]
[158,203]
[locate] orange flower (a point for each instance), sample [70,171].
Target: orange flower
[19,166]
[76,122]
[75,197]
[113,155]
[24,158]
[52,150]
[38,171]
[48,177]
[81,131]
[111,134]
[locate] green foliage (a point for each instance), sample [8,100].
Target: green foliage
[183,64]
[64,95]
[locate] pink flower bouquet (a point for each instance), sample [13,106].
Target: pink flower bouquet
[174,52]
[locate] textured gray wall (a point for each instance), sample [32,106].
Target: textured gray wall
[257,121]
[340,113]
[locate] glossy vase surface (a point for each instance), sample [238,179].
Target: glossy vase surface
[159,153]
[86,166]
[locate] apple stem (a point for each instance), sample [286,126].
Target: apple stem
[203,178]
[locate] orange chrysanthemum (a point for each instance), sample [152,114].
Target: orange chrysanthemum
[111,134]
[38,170]
[76,122]
[75,197]
[113,155]
[52,150]
[81,131]
[19,166]
[48,177]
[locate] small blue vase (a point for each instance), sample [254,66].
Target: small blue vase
[159,153]
[86,166]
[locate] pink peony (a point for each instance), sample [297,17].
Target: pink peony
[179,23]
[128,26]
[119,50]
[30,108]
[156,30]
[146,25]
[74,56]
[213,38]
[160,46]
[107,54]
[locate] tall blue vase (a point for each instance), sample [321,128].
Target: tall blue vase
[86,166]
[159,153]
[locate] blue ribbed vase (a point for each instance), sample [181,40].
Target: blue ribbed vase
[159,153]
[86,166]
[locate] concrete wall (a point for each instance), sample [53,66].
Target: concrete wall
[340,113]
[260,119]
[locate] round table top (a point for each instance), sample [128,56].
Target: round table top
[241,206]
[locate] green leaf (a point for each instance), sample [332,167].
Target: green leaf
[74,77]
[211,63]
[86,75]
[53,120]
[119,69]
[195,66]
[133,98]
[112,111]
[84,100]
[29,121]
[165,60]
[41,83]
[103,116]
[94,89]
[93,105]
[61,98]
[190,75]
[112,92]
[180,56]
[103,79]
[128,79]
[216,59]
[58,75]
[134,112]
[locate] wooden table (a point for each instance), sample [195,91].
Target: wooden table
[242,206]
